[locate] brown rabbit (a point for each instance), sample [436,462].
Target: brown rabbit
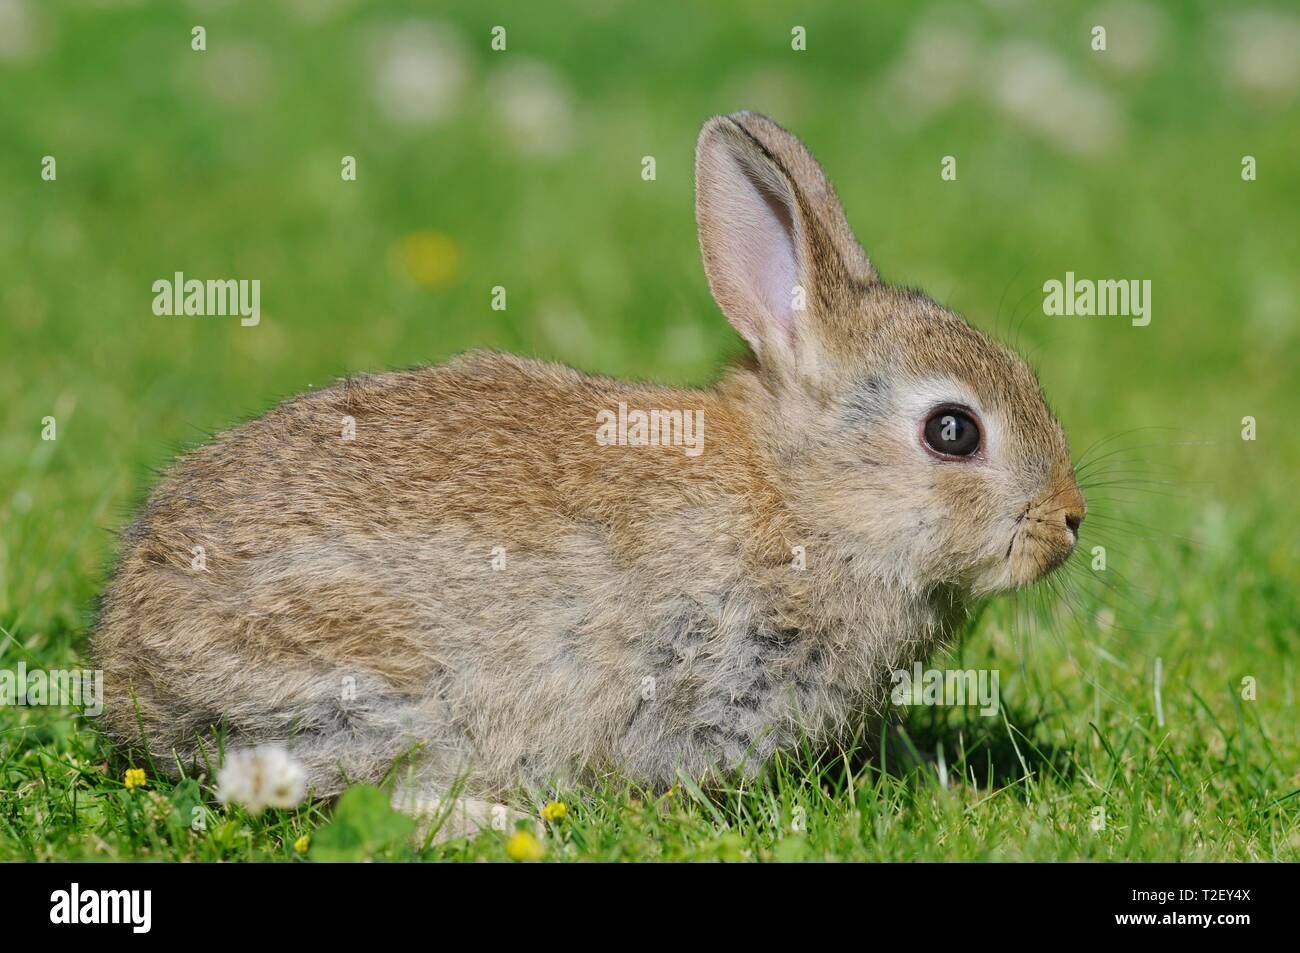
[495,566]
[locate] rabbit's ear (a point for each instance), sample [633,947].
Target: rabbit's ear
[776,246]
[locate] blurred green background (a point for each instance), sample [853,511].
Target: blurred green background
[523,169]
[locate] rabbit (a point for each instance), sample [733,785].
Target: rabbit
[448,570]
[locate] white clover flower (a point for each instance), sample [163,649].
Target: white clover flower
[1135,33]
[23,32]
[1035,87]
[533,105]
[236,73]
[261,777]
[1260,53]
[938,66]
[419,71]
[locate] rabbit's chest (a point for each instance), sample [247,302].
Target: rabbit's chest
[725,688]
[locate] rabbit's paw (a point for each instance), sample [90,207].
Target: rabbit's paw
[459,816]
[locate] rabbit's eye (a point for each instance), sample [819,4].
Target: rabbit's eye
[952,433]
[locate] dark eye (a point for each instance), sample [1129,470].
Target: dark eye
[952,433]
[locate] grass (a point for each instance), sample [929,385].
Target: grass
[226,163]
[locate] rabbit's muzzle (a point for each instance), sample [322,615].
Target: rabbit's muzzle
[1046,532]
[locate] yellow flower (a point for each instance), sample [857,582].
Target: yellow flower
[134,778]
[554,811]
[524,846]
[302,843]
[428,258]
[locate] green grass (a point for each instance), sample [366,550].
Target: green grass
[226,163]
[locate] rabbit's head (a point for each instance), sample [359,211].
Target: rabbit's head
[915,441]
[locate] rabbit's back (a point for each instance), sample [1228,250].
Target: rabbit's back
[449,555]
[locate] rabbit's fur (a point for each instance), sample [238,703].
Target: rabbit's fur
[650,616]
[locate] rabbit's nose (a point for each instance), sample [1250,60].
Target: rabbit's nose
[1073,520]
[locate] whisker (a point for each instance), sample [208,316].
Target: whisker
[1083,465]
[1098,444]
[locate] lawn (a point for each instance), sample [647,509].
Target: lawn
[1148,709]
